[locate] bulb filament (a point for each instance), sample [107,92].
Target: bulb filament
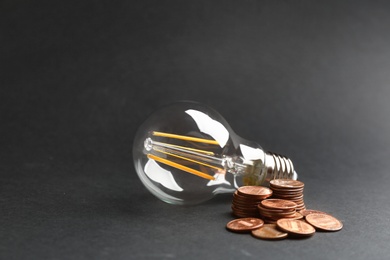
[187,138]
[184,154]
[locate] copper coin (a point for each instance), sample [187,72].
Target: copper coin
[242,215]
[245,213]
[287,195]
[237,195]
[301,204]
[255,191]
[310,211]
[273,210]
[246,203]
[286,191]
[294,226]
[235,207]
[241,201]
[296,199]
[269,231]
[253,209]
[278,204]
[275,189]
[244,210]
[324,222]
[286,183]
[244,224]
[288,198]
[269,221]
[297,215]
[277,215]
[293,215]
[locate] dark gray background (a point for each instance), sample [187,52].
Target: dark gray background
[309,79]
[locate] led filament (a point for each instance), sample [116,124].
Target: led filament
[183,154]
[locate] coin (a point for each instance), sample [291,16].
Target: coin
[297,215]
[310,211]
[255,191]
[294,215]
[278,204]
[286,183]
[276,214]
[244,224]
[293,190]
[287,197]
[269,220]
[288,194]
[245,200]
[248,213]
[324,222]
[274,210]
[296,227]
[241,215]
[269,231]
[235,206]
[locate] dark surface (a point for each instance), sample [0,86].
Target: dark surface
[307,79]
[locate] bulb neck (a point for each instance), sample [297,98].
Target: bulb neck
[274,166]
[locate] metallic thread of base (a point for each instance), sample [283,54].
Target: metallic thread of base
[278,167]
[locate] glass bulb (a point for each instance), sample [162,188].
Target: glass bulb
[185,153]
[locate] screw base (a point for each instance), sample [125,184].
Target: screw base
[278,167]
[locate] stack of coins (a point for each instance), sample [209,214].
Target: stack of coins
[287,227]
[284,214]
[272,210]
[291,190]
[246,199]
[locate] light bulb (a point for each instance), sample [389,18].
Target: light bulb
[186,152]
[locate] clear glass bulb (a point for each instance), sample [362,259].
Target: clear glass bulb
[185,153]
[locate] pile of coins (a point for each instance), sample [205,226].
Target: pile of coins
[246,199]
[291,190]
[272,210]
[282,215]
[285,227]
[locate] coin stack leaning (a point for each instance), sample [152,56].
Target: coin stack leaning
[246,199]
[291,190]
[271,210]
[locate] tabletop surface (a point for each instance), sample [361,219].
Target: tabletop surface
[307,79]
